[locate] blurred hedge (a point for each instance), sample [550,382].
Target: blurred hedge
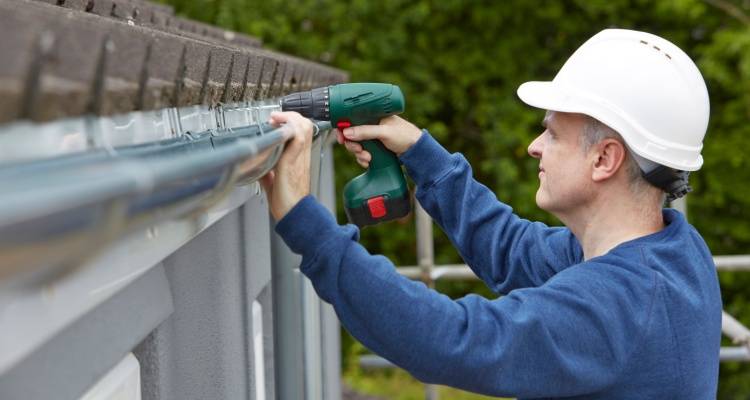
[460,62]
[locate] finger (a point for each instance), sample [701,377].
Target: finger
[281,116]
[287,132]
[364,156]
[303,131]
[275,120]
[365,132]
[339,137]
[300,140]
[278,118]
[297,128]
[353,147]
[266,181]
[364,161]
[278,121]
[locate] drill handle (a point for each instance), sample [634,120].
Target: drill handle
[381,156]
[380,194]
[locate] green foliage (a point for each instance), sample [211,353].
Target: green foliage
[459,64]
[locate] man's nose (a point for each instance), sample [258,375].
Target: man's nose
[535,148]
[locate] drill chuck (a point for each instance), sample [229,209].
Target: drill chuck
[311,103]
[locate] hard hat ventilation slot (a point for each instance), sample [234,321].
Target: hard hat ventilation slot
[656,48]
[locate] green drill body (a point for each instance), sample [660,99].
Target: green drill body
[380,194]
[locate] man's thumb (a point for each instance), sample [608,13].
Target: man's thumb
[364,132]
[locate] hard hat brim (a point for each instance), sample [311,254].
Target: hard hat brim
[547,96]
[554,97]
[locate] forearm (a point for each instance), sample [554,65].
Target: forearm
[505,251]
[378,306]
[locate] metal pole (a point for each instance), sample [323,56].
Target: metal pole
[740,353]
[426,261]
[680,205]
[739,262]
[734,329]
[425,251]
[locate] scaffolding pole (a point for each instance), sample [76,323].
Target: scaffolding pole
[426,260]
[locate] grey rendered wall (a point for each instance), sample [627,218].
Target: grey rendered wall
[76,357]
[204,349]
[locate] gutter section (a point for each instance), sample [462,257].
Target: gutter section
[56,213]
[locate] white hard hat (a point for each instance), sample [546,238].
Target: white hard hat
[640,85]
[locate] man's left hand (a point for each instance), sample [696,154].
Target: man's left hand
[289,181]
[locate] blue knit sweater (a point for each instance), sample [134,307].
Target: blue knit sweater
[640,322]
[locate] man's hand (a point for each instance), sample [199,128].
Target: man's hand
[397,135]
[289,181]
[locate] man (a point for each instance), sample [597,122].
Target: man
[624,303]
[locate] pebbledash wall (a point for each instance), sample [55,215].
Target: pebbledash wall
[196,301]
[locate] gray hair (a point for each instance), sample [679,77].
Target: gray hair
[594,131]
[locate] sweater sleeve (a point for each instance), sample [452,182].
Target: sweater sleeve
[570,336]
[505,251]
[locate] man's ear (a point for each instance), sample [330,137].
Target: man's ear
[608,156]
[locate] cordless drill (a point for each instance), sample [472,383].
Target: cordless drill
[380,194]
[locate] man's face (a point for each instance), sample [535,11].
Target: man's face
[564,169]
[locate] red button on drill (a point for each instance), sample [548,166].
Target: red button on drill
[343,124]
[377,207]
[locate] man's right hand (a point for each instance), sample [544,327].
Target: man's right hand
[397,135]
